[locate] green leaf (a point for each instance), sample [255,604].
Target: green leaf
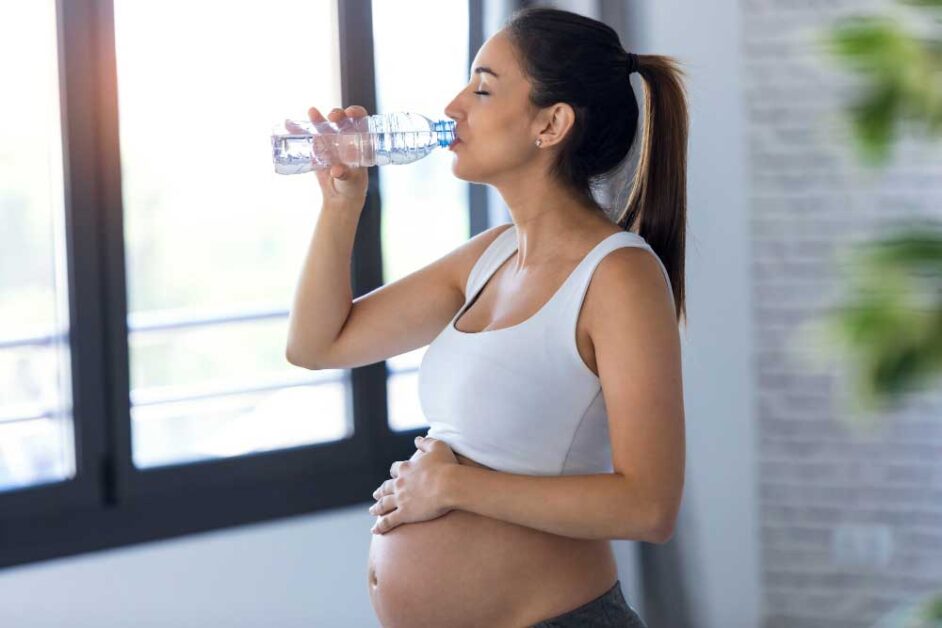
[937,4]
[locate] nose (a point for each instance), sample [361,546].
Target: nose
[451,110]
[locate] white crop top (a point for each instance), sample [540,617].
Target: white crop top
[520,399]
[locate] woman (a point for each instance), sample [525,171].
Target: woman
[552,380]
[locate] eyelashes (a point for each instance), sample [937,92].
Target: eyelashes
[483,93]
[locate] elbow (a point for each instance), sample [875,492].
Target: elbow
[662,535]
[657,530]
[296,360]
[663,530]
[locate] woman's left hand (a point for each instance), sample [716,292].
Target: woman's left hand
[415,492]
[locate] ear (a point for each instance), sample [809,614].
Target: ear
[556,121]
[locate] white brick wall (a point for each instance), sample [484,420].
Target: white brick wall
[851,523]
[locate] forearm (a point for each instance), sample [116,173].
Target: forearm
[323,296]
[597,506]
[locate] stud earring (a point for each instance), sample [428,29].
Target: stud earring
[539,142]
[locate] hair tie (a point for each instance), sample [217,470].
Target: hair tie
[633,63]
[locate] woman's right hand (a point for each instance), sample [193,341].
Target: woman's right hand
[341,184]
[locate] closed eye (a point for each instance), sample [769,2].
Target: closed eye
[483,93]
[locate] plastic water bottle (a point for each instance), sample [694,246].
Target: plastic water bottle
[395,138]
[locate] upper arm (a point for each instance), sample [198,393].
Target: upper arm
[633,327]
[408,313]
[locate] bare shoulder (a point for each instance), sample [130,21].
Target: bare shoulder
[468,253]
[628,291]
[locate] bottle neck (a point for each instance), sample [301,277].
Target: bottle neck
[445,132]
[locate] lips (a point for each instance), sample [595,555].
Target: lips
[456,141]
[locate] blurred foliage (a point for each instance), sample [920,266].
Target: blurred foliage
[901,65]
[888,330]
[890,327]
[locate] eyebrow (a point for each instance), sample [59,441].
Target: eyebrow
[484,69]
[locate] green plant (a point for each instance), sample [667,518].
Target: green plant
[900,66]
[889,328]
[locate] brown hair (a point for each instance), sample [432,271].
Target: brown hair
[574,59]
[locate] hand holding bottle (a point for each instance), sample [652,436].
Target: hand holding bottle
[340,184]
[352,141]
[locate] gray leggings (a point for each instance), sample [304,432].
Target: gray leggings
[609,610]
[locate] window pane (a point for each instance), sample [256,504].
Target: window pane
[425,207]
[215,238]
[36,432]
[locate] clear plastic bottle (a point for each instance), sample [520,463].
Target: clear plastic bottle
[395,138]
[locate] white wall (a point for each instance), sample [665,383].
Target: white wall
[721,506]
[297,572]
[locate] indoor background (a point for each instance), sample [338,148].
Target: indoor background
[155,445]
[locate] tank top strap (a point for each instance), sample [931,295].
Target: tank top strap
[576,288]
[490,260]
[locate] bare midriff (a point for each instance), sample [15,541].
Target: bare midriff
[464,569]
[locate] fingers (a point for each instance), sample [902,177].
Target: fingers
[394,467]
[386,523]
[340,118]
[293,127]
[356,111]
[385,509]
[337,114]
[384,505]
[315,115]
[383,489]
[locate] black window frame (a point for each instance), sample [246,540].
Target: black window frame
[109,503]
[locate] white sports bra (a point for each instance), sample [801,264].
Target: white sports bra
[520,399]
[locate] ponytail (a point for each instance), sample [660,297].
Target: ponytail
[657,203]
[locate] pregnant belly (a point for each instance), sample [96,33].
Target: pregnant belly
[464,569]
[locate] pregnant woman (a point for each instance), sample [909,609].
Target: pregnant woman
[552,379]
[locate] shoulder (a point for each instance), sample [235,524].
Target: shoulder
[628,291]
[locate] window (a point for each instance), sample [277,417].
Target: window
[36,428]
[214,238]
[425,208]
[149,257]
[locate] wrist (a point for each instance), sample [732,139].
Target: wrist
[344,206]
[450,487]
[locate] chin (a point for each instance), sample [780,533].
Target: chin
[462,173]
[479,181]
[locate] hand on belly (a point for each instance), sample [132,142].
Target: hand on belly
[464,569]
[415,490]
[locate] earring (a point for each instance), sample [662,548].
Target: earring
[539,142]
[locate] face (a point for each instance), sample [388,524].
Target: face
[495,121]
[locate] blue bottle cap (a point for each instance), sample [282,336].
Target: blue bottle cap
[445,131]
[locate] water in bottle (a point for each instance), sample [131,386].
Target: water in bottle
[395,138]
